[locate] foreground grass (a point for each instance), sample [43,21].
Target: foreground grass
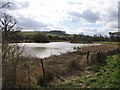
[105,76]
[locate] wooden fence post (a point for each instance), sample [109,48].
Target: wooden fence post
[44,81]
[88,56]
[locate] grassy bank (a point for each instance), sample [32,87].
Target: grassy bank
[69,68]
[105,76]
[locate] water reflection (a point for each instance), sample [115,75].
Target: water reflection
[46,49]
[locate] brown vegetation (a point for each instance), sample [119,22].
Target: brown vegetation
[59,68]
[73,63]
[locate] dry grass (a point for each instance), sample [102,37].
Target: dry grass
[58,68]
[100,48]
[28,73]
[25,76]
[69,64]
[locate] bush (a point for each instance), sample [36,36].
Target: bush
[101,57]
[40,38]
[75,65]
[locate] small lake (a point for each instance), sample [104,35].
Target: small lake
[42,50]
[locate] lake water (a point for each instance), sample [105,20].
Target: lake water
[42,50]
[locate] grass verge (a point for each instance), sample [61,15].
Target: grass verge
[105,76]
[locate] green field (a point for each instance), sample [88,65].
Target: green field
[52,36]
[74,38]
[33,33]
[28,33]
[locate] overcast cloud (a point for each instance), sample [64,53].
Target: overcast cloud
[73,16]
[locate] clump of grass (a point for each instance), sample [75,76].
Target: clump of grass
[92,59]
[101,57]
[28,71]
[75,65]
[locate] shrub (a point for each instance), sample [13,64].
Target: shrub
[101,57]
[40,38]
[75,65]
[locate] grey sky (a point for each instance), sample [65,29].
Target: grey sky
[72,16]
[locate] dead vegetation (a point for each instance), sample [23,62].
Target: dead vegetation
[60,68]
[73,63]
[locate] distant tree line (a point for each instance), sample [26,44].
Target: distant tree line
[62,36]
[81,38]
[58,32]
[115,36]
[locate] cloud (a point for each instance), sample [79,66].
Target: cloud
[85,31]
[110,15]
[112,25]
[30,23]
[87,15]
[70,15]
[91,16]
[74,3]
[75,14]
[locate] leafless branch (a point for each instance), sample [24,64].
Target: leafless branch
[6,4]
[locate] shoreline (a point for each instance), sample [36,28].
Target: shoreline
[52,48]
[72,64]
[62,68]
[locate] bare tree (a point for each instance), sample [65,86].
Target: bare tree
[11,56]
[10,52]
[7,24]
[1,7]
